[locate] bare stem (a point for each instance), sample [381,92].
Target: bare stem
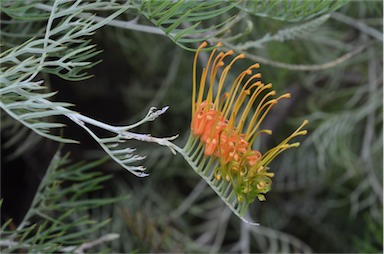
[81,120]
[300,67]
[130,25]
[358,25]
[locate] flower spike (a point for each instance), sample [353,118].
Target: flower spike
[223,130]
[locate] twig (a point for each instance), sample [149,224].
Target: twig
[98,241]
[45,44]
[77,249]
[37,197]
[369,129]
[166,83]
[186,204]
[10,244]
[130,25]
[300,67]
[358,25]
[80,120]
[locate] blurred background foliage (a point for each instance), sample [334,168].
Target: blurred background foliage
[327,195]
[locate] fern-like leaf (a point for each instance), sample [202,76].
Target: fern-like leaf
[61,196]
[25,105]
[61,50]
[117,149]
[291,10]
[291,33]
[116,146]
[182,21]
[300,30]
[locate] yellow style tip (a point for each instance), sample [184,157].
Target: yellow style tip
[286,96]
[248,72]
[296,144]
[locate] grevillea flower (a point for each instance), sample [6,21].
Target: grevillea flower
[228,123]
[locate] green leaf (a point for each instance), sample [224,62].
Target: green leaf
[184,21]
[59,211]
[62,51]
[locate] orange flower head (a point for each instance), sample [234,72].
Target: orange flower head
[228,123]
